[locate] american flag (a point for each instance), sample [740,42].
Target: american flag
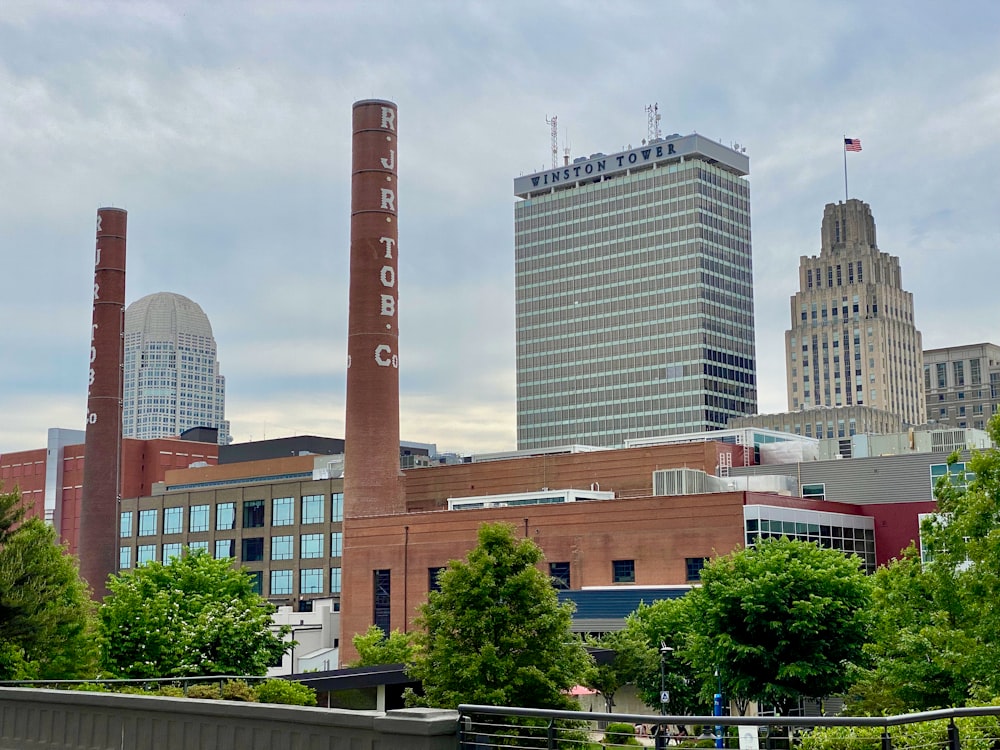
[852,144]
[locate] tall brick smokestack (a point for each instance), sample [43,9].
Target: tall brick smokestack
[372,479]
[98,542]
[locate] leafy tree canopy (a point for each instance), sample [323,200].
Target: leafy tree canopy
[374,647]
[496,633]
[46,615]
[193,616]
[782,620]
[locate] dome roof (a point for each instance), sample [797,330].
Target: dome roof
[161,316]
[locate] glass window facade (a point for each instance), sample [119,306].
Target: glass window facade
[198,518]
[336,544]
[172,550]
[147,522]
[337,507]
[173,520]
[225,548]
[201,546]
[281,582]
[252,549]
[145,553]
[225,516]
[334,580]
[253,514]
[849,534]
[124,558]
[283,511]
[559,573]
[623,571]
[312,509]
[634,306]
[125,524]
[282,547]
[311,546]
[311,581]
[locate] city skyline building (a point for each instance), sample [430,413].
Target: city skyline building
[172,378]
[634,295]
[853,340]
[962,384]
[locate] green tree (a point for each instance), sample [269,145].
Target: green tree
[374,647]
[192,616]
[495,633]
[46,614]
[632,657]
[919,657]
[781,620]
[667,624]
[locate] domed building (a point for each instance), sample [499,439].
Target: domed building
[172,380]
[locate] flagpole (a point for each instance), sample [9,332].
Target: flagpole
[844,146]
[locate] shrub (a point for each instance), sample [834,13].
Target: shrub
[205,690]
[238,690]
[286,692]
[620,733]
[171,691]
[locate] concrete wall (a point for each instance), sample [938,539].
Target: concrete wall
[102,721]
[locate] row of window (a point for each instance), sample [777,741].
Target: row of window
[312,509]
[310,546]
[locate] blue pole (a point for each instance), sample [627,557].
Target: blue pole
[717,711]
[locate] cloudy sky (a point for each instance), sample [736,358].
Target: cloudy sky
[224,129]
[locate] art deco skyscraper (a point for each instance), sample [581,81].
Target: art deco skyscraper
[853,340]
[634,293]
[172,380]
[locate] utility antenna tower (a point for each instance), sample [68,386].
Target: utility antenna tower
[652,122]
[555,139]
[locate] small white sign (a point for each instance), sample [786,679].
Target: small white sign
[749,738]
[664,696]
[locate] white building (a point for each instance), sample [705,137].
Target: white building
[172,379]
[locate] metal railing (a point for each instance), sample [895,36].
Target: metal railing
[971,728]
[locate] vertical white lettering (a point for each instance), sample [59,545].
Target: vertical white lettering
[388,304]
[381,358]
[389,163]
[388,119]
[97,257]
[93,331]
[91,376]
[388,276]
[99,217]
[388,242]
[93,354]
[92,418]
[97,289]
[388,199]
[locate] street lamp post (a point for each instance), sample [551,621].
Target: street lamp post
[664,694]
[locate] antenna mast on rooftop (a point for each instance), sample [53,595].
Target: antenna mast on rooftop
[555,139]
[652,122]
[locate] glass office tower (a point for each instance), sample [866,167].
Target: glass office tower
[634,295]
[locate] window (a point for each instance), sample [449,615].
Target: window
[146,553]
[694,566]
[312,509]
[253,514]
[147,522]
[281,547]
[173,520]
[225,516]
[623,571]
[198,518]
[814,491]
[433,583]
[198,546]
[125,524]
[281,582]
[172,550]
[311,545]
[311,581]
[334,580]
[225,548]
[337,507]
[336,544]
[283,511]
[382,589]
[257,581]
[253,549]
[124,558]
[559,573]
